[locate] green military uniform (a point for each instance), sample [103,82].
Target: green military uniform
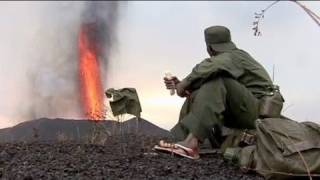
[125,101]
[225,89]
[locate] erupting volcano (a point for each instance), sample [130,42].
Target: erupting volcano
[91,90]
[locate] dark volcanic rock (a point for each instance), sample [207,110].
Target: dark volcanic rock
[53,129]
[122,157]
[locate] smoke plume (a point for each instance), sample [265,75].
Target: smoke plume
[102,17]
[39,55]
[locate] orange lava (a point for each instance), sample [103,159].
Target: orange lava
[90,81]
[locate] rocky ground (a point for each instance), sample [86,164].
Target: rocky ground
[126,157]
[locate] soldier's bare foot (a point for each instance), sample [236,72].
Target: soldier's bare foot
[191,142]
[179,149]
[186,148]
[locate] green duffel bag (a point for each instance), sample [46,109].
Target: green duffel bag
[284,149]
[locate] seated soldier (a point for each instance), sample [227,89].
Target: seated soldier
[222,90]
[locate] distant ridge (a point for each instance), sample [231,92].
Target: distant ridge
[45,129]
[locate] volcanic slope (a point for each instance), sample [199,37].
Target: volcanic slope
[77,130]
[121,157]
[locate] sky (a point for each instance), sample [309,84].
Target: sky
[154,37]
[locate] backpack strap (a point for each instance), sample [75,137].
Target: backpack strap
[237,138]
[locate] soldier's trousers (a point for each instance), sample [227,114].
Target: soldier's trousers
[220,102]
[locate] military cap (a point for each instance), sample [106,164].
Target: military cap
[219,38]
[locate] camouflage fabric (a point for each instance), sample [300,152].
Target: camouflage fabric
[235,63]
[125,100]
[220,102]
[284,149]
[225,91]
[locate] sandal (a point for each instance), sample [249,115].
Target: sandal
[177,149]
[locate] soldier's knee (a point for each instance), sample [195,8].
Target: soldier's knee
[212,93]
[215,83]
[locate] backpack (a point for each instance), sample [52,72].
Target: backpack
[283,149]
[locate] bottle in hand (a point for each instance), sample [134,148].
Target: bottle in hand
[169,76]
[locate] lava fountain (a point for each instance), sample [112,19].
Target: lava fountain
[91,90]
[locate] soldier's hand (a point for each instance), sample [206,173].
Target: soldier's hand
[171,83]
[181,91]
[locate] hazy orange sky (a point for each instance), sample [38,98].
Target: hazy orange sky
[154,37]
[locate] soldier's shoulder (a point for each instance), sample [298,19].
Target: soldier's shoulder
[222,56]
[240,52]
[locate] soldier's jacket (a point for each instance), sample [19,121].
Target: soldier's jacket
[235,63]
[125,101]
